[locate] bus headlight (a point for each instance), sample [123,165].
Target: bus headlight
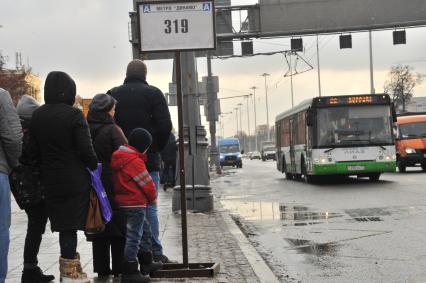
[389,157]
[410,151]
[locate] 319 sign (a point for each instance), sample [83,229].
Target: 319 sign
[173,26]
[176,26]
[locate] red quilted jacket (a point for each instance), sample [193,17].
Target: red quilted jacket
[133,185]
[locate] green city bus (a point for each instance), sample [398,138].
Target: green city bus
[337,135]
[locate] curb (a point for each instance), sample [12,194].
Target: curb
[260,268]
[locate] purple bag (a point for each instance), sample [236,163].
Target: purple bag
[97,185]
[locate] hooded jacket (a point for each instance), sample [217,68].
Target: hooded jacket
[133,185]
[10,134]
[60,139]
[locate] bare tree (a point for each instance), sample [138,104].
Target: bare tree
[401,83]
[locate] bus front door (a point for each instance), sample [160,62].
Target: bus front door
[292,152]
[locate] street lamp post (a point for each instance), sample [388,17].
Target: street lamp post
[255,118]
[241,123]
[248,122]
[236,118]
[267,105]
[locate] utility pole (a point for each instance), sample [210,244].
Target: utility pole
[319,72]
[291,78]
[241,124]
[255,118]
[236,119]
[248,122]
[267,105]
[371,63]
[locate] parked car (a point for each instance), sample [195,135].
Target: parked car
[255,155]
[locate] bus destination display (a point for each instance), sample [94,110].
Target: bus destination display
[352,100]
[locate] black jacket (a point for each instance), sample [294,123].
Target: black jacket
[140,105]
[60,139]
[169,152]
[107,137]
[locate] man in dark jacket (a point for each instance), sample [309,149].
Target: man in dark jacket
[60,136]
[10,150]
[140,105]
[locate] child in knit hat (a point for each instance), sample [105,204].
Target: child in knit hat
[134,190]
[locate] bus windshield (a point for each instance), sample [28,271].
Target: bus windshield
[230,148]
[349,125]
[412,130]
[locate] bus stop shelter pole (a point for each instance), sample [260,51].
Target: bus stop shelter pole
[182,161]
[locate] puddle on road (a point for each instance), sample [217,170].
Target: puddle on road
[291,215]
[309,247]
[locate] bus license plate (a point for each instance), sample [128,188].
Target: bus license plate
[356,168]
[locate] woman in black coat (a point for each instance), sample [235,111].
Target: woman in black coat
[107,137]
[60,136]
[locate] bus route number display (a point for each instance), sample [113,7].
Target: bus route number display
[173,26]
[363,99]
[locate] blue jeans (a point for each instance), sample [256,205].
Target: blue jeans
[138,233]
[5,215]
[152,215]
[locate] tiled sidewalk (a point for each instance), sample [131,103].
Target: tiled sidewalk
[209,240]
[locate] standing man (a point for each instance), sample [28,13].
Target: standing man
[140,105]
[10,150]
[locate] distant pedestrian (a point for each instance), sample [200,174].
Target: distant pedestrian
[32,197]
[169,156]
[140,105]
[10,150]
[107,137]
[61,135]
[134,190]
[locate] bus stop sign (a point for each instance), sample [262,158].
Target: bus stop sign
[176,26]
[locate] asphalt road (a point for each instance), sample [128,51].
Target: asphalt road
[336,231]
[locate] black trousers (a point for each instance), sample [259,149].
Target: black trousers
[169,173]
[37,219]
[68,244]
[105,248]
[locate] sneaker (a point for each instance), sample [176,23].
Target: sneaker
[163,259]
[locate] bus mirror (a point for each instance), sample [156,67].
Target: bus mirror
[242,151]
[309,118]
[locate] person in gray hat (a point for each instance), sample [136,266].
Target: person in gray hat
[140,105]
[28,193]
[107,137]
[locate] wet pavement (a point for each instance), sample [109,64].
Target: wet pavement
[212,237]
[349,230]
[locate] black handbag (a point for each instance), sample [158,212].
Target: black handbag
[26,186]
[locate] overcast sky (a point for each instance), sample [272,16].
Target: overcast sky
[89,40]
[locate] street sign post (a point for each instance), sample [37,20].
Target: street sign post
[179,26]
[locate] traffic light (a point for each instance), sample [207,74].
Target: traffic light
[399,37]
[296,44]
[345,41]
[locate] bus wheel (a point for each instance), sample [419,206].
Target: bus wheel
[374,176]
[424,166]
[289,176]
[401,167]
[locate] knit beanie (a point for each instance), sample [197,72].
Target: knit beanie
[26,106]
[136,69]
[140,139]
[59,87]
[102,103]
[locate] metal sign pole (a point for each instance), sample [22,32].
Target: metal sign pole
[181,161]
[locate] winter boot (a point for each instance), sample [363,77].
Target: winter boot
[163,259]
[147,263]
[35,275]
[71,271]
[131,273]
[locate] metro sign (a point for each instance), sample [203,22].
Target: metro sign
[176,26]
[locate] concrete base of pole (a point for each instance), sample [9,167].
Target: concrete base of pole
[200,199]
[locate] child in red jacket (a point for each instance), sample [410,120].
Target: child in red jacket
[134,190]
